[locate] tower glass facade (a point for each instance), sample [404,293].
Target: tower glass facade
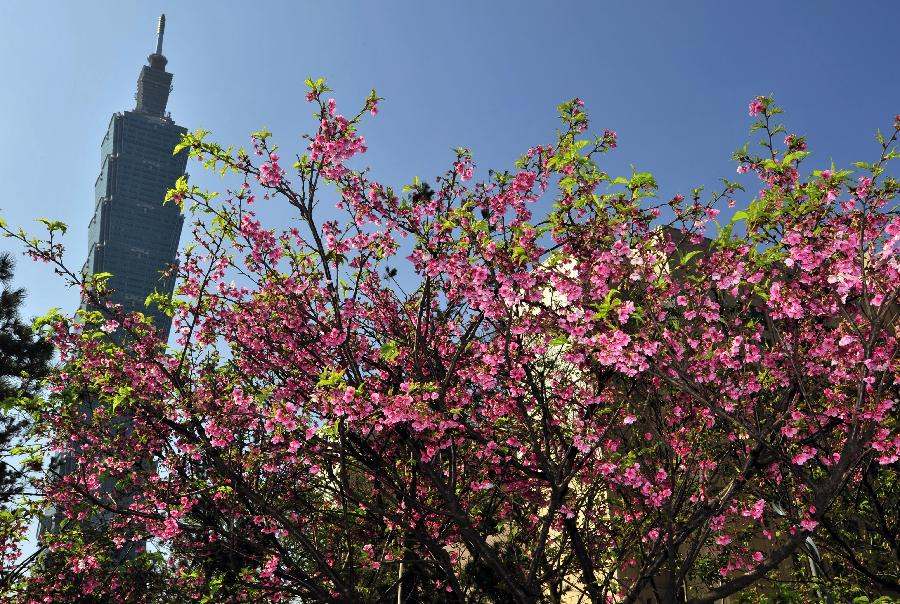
[132,235]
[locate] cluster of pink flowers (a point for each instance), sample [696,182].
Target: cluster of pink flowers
[335,143]
[757,106]
[270,173]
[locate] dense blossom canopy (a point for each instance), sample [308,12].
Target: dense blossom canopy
[454,395]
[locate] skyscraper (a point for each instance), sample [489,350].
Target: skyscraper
[132,234]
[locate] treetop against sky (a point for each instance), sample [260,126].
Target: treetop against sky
[671,79]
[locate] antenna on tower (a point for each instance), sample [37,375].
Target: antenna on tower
[160,31]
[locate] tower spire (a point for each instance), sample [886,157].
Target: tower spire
[157,60]
[160,31]
[155,82]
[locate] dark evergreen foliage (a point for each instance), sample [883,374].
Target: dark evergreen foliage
[24,360]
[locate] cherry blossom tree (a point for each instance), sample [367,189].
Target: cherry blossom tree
[550,384]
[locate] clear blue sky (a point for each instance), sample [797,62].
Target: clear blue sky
[673,78]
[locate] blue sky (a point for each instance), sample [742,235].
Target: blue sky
[673,78]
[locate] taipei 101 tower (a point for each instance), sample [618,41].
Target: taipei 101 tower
[132,235]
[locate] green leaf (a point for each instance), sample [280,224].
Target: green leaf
[642,180]
[51,316]
[794,156]
[687,257]
[53,225]
[122,394]
[519,253]
[331,378]
[389,351]
[559,341]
